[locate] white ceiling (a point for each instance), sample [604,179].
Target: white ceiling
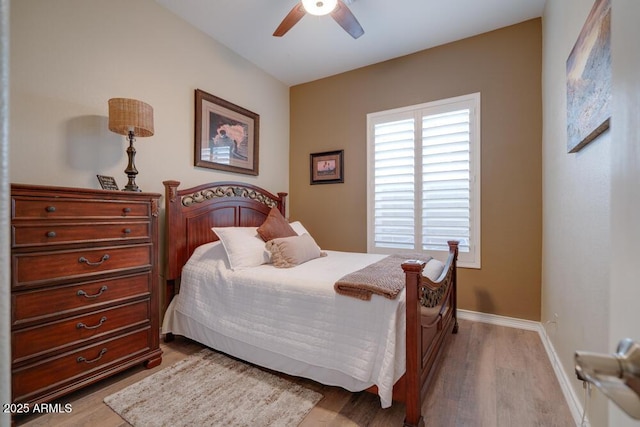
[318,47]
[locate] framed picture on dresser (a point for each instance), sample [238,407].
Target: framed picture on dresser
[107,182]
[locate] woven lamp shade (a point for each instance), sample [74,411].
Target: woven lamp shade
[130,115]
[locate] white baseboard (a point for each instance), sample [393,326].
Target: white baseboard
[495,319]
[573,401]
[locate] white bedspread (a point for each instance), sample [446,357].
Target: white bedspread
[296,312]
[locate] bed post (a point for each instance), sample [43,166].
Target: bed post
[171,193]
[283,203]
[171,267]
[453,249]
[413,271]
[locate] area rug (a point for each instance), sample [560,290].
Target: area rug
[211,389]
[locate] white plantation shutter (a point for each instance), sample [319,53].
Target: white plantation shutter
[394,184]
[424,187]
[445,180]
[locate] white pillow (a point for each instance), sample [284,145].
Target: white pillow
[299,228]
[243,246]
[433,269]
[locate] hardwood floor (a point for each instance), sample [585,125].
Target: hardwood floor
[489,376]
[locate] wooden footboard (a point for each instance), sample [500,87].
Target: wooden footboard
[427,328]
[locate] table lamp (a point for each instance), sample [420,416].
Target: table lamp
[131,118]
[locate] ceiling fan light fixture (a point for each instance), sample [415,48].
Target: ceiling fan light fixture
[319,7]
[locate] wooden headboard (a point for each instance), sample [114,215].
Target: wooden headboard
[190,214]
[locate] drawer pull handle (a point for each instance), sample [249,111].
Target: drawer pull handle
[127,231]
[82,293]
[82,325]
[126,210]
[50,208]
[51,234]
[86,261]
[82,359]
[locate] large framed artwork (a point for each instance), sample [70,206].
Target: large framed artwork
[226,135]
[589,79]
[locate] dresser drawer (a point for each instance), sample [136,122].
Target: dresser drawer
[45,267]
[27,234]
[70,367]
[47,304]
[52,208]
[37,340]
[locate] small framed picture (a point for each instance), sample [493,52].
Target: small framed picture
[327,167]
[107,182]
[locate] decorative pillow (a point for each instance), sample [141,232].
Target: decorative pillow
[290,251]
[299,228]
[275,226]
[243,246]
[433,269]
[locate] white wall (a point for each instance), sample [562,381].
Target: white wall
[576,212]
[591,201]
[68,57]
[625,194]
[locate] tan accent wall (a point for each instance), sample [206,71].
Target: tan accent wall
[505,67]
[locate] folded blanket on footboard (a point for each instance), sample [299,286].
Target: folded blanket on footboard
[385,278]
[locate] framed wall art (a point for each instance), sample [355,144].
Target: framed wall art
[226,135]
[327,167]
[107,182]
[589,79]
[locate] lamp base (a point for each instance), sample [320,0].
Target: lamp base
[131,186]
[131,170]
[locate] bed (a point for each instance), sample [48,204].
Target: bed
[298,320]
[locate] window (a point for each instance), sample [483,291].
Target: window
[424,178]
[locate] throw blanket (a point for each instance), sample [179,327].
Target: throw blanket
[385,277]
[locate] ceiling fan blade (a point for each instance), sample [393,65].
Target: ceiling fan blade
[347,20]
[290,20]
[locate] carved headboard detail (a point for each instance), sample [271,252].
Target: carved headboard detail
[191,213]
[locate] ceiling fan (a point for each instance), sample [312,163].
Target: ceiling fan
[337,8]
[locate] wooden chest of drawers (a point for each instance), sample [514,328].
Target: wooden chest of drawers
[84,287]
